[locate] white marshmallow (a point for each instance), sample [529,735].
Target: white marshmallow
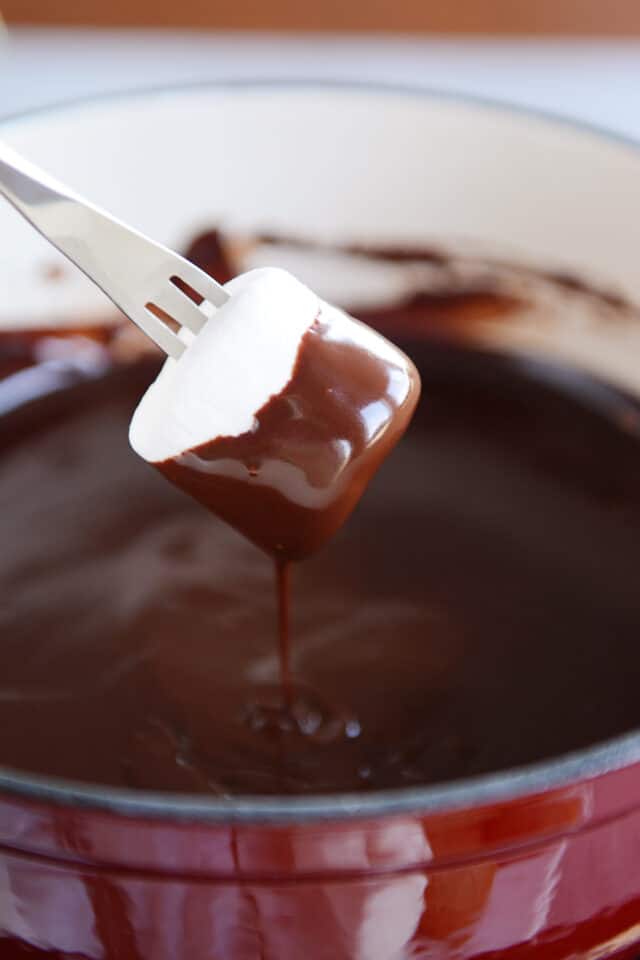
[244,355]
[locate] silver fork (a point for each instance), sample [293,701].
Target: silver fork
[139,275]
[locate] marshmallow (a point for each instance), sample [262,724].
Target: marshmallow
[278,413]
[244,355]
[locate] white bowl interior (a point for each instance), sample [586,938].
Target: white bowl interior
[337,163]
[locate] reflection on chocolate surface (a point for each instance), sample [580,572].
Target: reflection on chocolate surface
[476,612]
[20,349]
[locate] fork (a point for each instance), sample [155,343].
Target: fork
[148,282]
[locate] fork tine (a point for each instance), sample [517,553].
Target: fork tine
[159,332]
[201,282]
[180,307]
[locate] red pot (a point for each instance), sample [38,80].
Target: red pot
[542,861]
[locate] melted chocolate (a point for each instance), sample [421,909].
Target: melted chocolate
[208,252]
[478,610]
[20,349]
[292,480]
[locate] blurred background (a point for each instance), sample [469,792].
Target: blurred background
[577,57]
[614,17]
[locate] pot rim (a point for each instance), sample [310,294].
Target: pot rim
[537,778]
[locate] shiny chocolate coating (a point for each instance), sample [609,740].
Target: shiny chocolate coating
[291,481]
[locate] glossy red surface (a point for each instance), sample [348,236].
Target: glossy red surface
[549,876]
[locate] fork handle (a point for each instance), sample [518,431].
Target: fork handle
[27,187]
[76,227]
[129,268]
[106,250]
[91,238]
